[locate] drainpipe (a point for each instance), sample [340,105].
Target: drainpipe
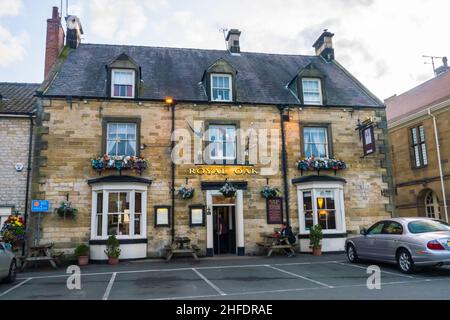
[173,174]
[438,150]
[284,163]
[30,146]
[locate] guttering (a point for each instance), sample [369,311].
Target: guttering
[284,162]
[17,115]
[438,151]
[173,173]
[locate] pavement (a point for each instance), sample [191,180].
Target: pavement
[303,277]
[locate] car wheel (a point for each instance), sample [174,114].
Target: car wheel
[12,272]
[405,261]
[351,254]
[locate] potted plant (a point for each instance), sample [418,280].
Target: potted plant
[112,249]
[315,238]
[13,232]
[186,192]
[269,192]
[82,253]
[228,190]
[65,209]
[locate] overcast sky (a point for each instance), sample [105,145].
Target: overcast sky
[381,42]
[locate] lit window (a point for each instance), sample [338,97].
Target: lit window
[316,142]
[312,91]
[221,87]
[121,139]
[222,140]
[122,84]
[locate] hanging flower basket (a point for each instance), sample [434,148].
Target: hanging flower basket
[65,210]
[228,190]
[119,163]
[186,192]
[269,192]
[317,164]
[13,231]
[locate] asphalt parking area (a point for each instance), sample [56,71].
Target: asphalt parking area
[260,278]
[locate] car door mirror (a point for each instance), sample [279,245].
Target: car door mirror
[363,231]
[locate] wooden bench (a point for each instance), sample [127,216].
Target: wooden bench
[272,243]
[173,250]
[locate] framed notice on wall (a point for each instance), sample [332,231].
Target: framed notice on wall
[196,216]
[368,140]
[162,216]
[274,210]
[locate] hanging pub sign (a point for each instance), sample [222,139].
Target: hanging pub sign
[368,140]
[274,210]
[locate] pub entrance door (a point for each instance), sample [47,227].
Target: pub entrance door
[224,218]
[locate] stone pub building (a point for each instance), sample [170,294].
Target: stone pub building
[107,114]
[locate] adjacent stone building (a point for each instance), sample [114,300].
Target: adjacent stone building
[108,113]
[419,130]
[17,113]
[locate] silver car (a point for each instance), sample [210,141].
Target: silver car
[408,242]
[8,265]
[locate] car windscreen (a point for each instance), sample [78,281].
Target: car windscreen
[423,226]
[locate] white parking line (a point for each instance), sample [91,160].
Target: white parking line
[246,293]
[110,285]
[299,276]
[15,287]
[212,285]
[387,272]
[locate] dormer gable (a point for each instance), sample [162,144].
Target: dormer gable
[124,77]
[219,81]
[309,86]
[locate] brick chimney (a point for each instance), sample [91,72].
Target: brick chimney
[324,45]
[232,40]
[54,41]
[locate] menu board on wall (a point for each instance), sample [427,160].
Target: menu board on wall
[274,211]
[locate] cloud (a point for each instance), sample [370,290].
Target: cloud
[11,47]
[117,20]
[10,7]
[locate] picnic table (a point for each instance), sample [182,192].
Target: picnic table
[272,242]
[40,253]
[181,245]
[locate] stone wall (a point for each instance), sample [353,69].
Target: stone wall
[71,134]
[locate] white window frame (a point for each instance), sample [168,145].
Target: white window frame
[230,79]
[327,144]
[5,212]
[133,72]
[222,157]
[338,190]
[320,102]
[135,136]
[107,188]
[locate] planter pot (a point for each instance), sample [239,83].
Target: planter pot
[83,260]
[113,261]
[317,252]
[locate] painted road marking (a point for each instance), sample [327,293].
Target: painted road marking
[387,272]
[110,285]
[15,287]
[299,276]
[212,285]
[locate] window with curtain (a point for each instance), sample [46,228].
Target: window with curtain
[221,87]
[222,140]
[121,139]
[312,91]
[419,147]
[122,83]
[319,207]
[316,142]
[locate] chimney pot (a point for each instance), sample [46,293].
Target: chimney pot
[324,45]
[232,39]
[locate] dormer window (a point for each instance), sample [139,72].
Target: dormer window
[221,85]
[312,91]
[122,84]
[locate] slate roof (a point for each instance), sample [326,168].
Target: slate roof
[418,98]
[176,72]
[18,98]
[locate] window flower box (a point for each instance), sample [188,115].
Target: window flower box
[317,164]
[119,163]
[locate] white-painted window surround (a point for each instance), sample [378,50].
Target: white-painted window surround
[119,209]
[5,212]
[222,140]
[312,91]
[122,83]
[221,87]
